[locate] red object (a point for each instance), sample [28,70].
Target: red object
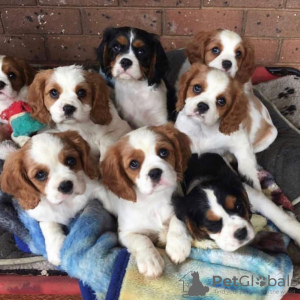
[16,108]
[291,297]
[261,74]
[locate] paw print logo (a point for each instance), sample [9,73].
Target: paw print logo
[260,281]
[285,94]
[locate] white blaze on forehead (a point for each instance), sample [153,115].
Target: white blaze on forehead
[217,82]
[229,40]
[216,207]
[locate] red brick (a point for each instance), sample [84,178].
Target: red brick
[28,47]
[41,20]
[17,2]
[96,20]
[293,4]
[79,2]
[290,51]
[189,22]
[72,48]
[172,43]
[273,23]
[161,3]
[243,3]
[265,51]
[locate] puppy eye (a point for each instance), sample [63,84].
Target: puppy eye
[81,94]
[197,88]
[239,208]
[221,101]
[41,176]
[134,164]
[70,161]
[12,75]
[238,54]
[141,51]
[163,152]
[215,50]
[116,48]
[54,94]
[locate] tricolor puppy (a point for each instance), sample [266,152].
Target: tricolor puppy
[216,204]
[73,99]
[229,52]
[214,113]
[15,77]
[52,177]
[139,175]
[138,63]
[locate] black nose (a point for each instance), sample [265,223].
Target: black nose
[69,109]
[155,174]
[241,234]
[202,107]
[2,85]
[66,187]
[125,63]
[226,64]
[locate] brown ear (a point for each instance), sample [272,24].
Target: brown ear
[100,113]
[195,49]
[181,144]
[83,148]
[197,232]
[248,64]
[14,181]
[113,173]
[27,71]
[35,97]
[237,112]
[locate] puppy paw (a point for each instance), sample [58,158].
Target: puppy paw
[53,251]
[150,263]
[178,249]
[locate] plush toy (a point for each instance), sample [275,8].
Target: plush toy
[19,117]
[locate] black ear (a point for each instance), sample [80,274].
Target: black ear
[103,52]
[159,63]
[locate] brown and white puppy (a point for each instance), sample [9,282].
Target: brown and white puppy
[227,51]
[214,112]
[15,77]
[73,99]
[139,175]
[53,178]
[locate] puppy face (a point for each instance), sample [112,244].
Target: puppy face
[69,95]
[49,165]
[216,205]
[209,96]
[132,54]
[224,50]
[147,160]
[15,74]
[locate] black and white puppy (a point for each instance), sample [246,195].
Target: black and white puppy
[216,205]
[138,63]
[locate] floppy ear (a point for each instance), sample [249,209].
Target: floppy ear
[181,144]
[35,97]
[100,113]
[27,71]
[103,52]
[114,176]
[248,64]
[14,181]
[195,49]
[236,113]
[159,63]
[84,150]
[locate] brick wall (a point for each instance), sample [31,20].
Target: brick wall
[60,31]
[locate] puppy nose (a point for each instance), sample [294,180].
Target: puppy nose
[226,64]
[155,174]
[241,234]
[2,85]
[69,109]
[202,107]
[66,187]
[125,63]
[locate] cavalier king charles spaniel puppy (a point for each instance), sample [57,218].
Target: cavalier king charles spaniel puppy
[137,61]
[215,204]
[73,99]
[229,52]
[139,175]
[15,77]
[214,113]
[52,177]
